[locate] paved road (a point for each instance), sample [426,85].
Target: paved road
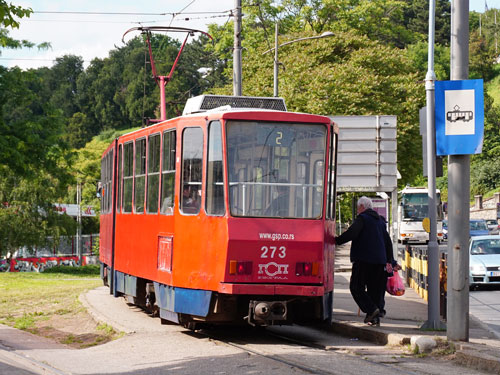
[484,303]
[153,349]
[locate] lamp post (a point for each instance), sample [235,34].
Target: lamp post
[326,34]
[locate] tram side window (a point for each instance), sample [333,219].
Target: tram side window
[319,175]
[153,173]
[215,182]
[168,173]
[106,173]
[140,175]
[103,182]
[332,178]
[192,162]
[119,180]
[109,189]
[128,176]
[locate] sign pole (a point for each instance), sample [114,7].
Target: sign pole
[458,192]
[433,319]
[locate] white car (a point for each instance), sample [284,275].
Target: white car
[492,226]
[484,260]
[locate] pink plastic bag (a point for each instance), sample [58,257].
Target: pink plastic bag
[395,285]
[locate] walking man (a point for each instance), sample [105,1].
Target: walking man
[368,257]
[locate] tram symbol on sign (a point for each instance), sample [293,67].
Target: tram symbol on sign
[458,115]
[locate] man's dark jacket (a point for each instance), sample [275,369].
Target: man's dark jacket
[369,237]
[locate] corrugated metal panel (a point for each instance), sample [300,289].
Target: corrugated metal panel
[367,159]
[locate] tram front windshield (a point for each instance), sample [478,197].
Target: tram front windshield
[276,169]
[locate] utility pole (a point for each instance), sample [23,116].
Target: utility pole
[434,321]
[237,90]
[79,221]
[276,62]
[458,192]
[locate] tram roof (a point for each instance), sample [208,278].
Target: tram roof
[244,115]
[240,114]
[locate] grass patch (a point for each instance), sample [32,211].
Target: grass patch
[25,322]
[35,296]
[493,87]
[107,329]
[47,304]
[71,339]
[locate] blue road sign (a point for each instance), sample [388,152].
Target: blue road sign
[459,117]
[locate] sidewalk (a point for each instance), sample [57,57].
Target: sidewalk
[405,316]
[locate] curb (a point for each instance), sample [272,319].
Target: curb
[100,319]
[478,358]
[472,356]
[375,335]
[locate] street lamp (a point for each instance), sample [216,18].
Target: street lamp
[326,34]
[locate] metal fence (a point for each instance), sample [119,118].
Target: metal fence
[414,263]
[67,247]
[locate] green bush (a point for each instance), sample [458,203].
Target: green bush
[484,175]
[90,269]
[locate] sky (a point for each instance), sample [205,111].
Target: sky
[94,35]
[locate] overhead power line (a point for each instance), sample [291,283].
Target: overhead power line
[28,59]
[125,13]
[124,22]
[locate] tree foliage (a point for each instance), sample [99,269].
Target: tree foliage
[8,15]
[34,163]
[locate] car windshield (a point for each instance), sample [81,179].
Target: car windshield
[485,247]
[276,169]
[478,225]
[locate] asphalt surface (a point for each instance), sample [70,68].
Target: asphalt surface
[405,315]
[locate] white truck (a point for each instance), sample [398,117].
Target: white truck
[412,210]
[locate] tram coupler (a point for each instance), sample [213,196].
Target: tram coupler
[264,313]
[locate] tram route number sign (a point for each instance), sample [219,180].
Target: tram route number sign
[459,117]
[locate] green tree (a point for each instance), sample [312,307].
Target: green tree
[78,130]
[418,54]
[33,164]
[118,92]
[8,19]
[481,58]
[416,19]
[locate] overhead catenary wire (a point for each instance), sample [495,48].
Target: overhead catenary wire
[125,21]
[183,9]
[93,17]
[125,13]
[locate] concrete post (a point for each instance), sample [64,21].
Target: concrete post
[478,202]
[237,90]
[458,192]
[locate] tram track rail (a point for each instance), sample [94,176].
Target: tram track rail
[252,349]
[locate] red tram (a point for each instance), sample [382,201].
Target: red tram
[224,215]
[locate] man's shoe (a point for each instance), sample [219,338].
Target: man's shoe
[375,322]
[373,315]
